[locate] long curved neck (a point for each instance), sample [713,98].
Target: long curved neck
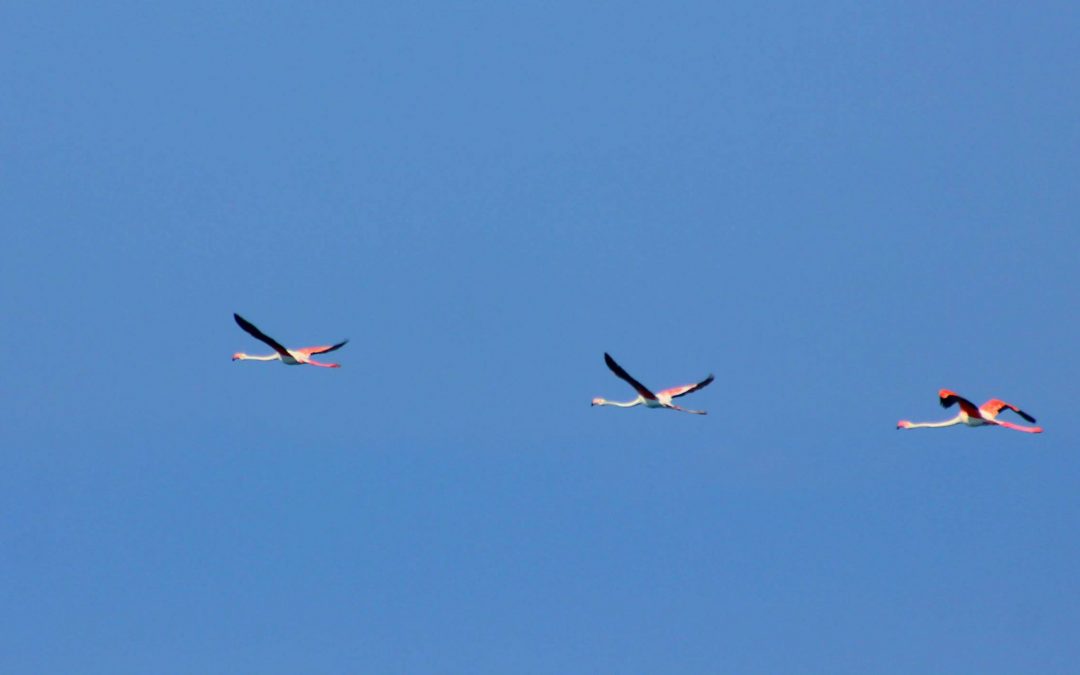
[935,425]
[622,404]
[249,357]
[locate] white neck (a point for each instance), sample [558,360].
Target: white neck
[935,425]
[622,404]
[249,357]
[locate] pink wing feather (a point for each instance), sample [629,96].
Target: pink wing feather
[685,389]
[995,405]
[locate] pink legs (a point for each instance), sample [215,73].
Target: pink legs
[1010,425]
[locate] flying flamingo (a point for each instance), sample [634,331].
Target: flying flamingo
[290,357]
[645,397]
[986,415]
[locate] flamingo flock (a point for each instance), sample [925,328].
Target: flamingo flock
[969,415]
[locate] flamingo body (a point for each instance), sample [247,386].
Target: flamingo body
[645,397]
[982,416]
[290,357]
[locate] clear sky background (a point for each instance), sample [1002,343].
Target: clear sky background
[838,209]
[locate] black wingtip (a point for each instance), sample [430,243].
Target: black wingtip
[1026,416]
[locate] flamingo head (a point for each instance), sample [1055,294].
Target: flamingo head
[598,401]
[903,424]
[238,356]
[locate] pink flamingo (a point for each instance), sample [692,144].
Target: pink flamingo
[290,357]
[986,415]
[661,399]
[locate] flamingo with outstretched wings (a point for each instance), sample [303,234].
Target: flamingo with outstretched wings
[660,399]
[290,357]
[984,415]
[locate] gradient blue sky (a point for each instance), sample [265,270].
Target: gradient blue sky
[836,209]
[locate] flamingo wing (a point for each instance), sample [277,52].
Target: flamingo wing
[676,392]
[996,405]
[259,335]
[949,397]
[311,351]
[622,374]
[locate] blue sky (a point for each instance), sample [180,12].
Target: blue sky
[837,210]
